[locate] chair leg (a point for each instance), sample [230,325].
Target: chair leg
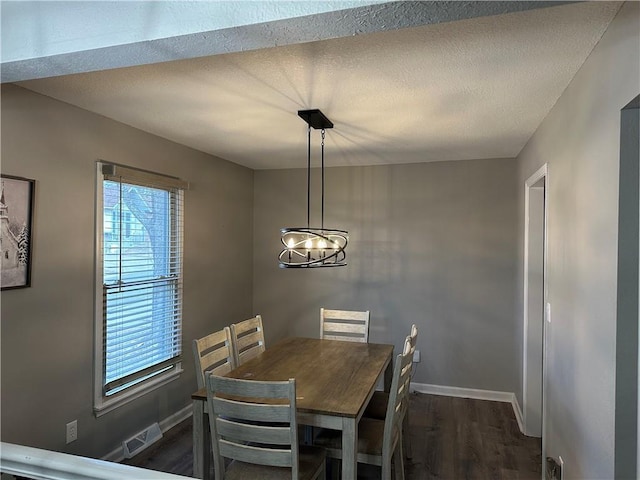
[408,451]
[335,469]
[398,461]
[386,470]
[322,475]
[307,435]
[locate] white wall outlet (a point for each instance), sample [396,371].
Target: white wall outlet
[547,312]
[72,431]
[416,356]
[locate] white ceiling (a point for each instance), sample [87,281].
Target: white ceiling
[444,90]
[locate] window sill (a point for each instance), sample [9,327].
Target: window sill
[107,404]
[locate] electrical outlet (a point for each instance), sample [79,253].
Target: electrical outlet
[72,431]
[416,356]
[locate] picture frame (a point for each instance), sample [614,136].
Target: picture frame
[16,231]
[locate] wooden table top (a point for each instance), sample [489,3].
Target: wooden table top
[332,377]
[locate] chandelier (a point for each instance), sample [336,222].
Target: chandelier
[306,247]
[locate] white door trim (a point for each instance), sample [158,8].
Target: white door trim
[542,172]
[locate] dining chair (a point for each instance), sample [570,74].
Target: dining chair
[213,353]
[348,325]
[248,339]
[377,407]
[380,441]
[254,431]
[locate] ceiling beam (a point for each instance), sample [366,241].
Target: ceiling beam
[102,54]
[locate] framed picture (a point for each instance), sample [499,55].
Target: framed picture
[16,213]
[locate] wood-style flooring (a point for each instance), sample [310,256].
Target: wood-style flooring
[452,438]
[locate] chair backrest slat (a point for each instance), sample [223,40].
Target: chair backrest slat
[248,339]
[342,327]
[253,421]
[219,357]
[213,353]
[413,341]
[248,432]
[413,338]
[250,454]
[252,412]
[345,325]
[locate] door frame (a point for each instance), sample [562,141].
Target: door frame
[542,172]
[627,371]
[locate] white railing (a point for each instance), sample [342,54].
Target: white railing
[38,464]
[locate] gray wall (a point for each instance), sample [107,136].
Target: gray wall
[47,329]
[580,141]
[432,244]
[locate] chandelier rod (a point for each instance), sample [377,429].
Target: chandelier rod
[322,208]
[313,247]
[308,175]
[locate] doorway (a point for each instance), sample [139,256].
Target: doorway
[535,255]
[627,406]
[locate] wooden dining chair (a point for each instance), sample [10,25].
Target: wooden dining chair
[347,325]
[377,407]
[380,441]
[213,353]
[254,431]
[248,339]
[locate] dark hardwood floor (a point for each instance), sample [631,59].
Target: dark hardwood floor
[452,438]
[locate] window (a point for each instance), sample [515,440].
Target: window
[139,283]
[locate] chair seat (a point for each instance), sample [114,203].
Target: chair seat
[377,407]
[370,436]
[310,461]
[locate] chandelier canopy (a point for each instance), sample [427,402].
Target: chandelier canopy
[306,247]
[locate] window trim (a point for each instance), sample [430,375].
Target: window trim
[103,404]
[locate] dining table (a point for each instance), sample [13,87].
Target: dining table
[334,383]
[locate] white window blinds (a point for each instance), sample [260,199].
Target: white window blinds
[142,276]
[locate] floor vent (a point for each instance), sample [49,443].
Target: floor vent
[142,440]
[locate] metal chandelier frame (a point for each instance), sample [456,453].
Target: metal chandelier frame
[307,247]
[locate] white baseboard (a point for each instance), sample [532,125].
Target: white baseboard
[173,420]
[117,454]
[495,396]
[462,392]
[518,412]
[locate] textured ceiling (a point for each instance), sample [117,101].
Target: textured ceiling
[467,89]
[48,28]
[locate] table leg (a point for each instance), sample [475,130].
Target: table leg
[388,376]
[349,448]
[200,454]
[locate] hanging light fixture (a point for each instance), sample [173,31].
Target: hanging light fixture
[306,247]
